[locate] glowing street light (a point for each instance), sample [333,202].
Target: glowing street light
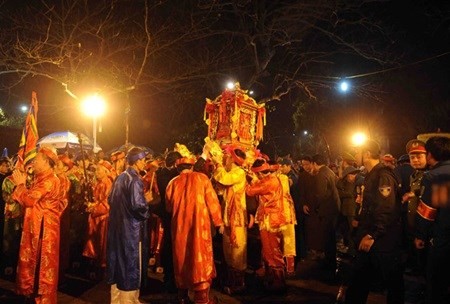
[230,85]
[94,106]
[305,132]
[344,86]
[24,109]
[358,139]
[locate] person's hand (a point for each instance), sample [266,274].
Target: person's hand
[252,177]
[366,243]
[19,178]
[205,152]
[148,196]
[407,196]
[420,244]
[90,207]
[306,209]
[221,229]
[251,221]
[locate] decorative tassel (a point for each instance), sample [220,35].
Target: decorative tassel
[260,123]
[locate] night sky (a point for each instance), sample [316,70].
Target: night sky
[398,98]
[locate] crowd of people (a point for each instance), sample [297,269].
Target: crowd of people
[113,217]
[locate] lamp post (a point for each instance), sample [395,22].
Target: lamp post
[94,106]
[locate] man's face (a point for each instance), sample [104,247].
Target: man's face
[307,166]
[60,167]
[40,163]
[418,160]
[120,164]
[227,161]
[100,172]
[140,164]
[351,178]
[4,168]
[80,163]
[285,169]
[315,168]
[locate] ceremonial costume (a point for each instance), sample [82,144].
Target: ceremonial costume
[126,232]
[191,199]
[44,203]
[235,221]
[271,219]
[289,247]
[98,222]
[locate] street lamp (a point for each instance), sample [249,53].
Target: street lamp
[358,139]
[230,85]
[24,109]
[344,86]
[94,106]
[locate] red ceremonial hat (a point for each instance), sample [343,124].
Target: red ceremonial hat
[49,153]
[274,167]
[388,158]
[187,160]
[105,164]
[231,149]
[117,155]
[66,160]
[263,167]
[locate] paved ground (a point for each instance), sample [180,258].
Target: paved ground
[311,286]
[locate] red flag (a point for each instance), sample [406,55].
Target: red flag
[27,146]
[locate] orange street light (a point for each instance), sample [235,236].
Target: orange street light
[358,139]
[94,106]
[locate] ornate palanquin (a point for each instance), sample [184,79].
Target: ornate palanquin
[235,118]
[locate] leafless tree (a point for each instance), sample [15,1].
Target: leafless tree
[185,50]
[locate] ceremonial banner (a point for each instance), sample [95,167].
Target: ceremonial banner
[27,146]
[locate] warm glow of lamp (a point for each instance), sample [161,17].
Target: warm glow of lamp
[94,106]
[359,138]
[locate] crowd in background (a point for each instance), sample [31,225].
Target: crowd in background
[390,215]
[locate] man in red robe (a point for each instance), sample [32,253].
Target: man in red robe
[271,219]
[191,199]
[95,247]
[44,202]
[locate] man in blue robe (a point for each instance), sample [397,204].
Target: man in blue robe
[128,213]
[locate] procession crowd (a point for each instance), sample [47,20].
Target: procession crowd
[115,216]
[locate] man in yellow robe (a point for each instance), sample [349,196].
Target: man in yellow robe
[230,174]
